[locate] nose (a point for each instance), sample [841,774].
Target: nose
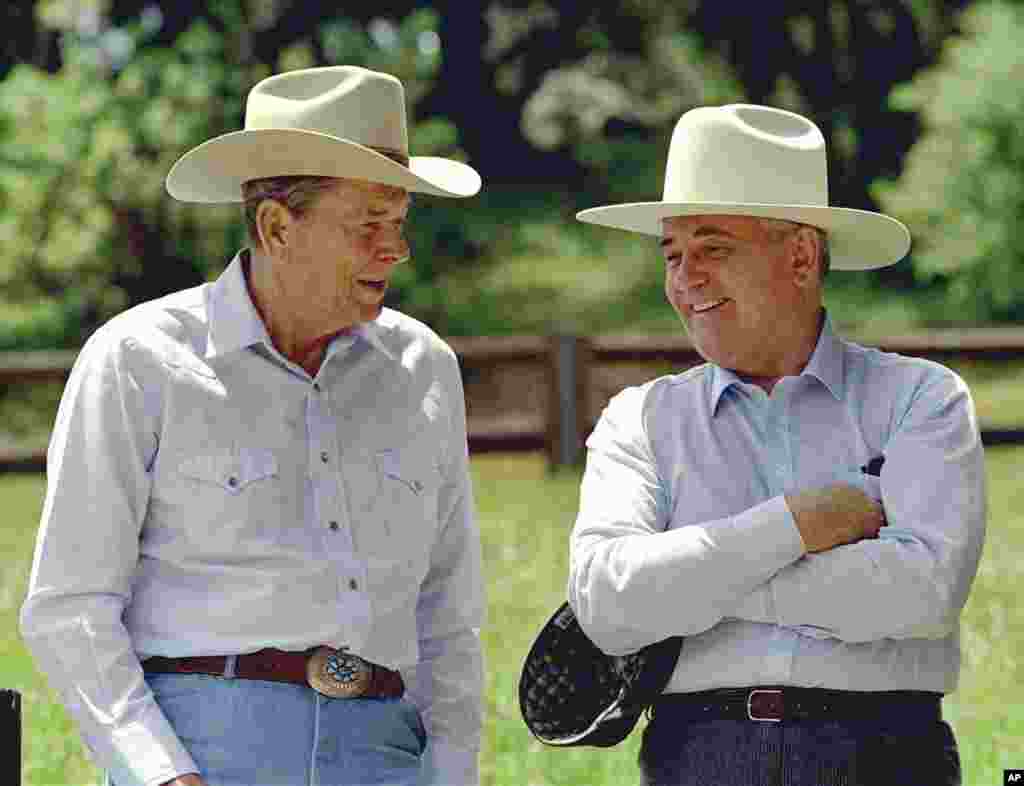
[688,272]
[392,246]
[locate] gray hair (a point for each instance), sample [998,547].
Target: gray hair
[780,228]
[296,192]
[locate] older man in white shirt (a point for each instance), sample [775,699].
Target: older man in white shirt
[258,561]
[806,512]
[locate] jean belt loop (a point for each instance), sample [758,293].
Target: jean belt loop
[229,666]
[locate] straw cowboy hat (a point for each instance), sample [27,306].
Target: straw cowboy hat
[318,121]
[749,160]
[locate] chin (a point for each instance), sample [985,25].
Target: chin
[369,313]
[719,356]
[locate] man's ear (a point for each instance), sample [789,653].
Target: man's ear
[273,223]
[805,252]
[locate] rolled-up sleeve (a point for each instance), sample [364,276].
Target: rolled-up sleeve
[98,483]
[633,578]
[447,684]
[913,580]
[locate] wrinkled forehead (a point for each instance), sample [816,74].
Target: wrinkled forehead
[683,228]
[372,198]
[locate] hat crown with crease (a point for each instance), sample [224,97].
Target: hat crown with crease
[349,102]
[761,162]
[336,121]
[743,153]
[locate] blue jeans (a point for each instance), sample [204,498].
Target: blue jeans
[255,733]
[805,753]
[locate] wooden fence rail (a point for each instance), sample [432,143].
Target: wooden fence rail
[545,393]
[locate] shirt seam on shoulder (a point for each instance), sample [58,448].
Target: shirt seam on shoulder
[923,387]
[690,375]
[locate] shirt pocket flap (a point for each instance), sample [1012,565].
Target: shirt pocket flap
[412,471]
[231,471]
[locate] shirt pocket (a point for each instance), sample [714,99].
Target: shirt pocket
[231,471]
[231,497]
[872,486]
[406,504]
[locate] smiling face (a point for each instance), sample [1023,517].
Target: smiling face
[338,255]
[748,293]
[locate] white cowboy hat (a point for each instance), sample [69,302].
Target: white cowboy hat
[318,121]
[750,160]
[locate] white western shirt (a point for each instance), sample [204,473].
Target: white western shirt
[206,496]
[683,527]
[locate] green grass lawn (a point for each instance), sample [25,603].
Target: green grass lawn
[525,516]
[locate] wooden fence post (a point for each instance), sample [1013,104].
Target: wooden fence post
[569,360]
[10,737]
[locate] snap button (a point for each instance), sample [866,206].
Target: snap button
[233,482]
[353,584]
[323,456]
[334,526]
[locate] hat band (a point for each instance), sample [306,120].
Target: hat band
[397,156]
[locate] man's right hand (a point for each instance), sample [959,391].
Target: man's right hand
[192,779]
[834,516]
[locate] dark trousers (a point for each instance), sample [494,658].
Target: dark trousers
[897,751]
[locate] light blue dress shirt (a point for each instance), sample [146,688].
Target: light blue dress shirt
[207,496]
[683,527]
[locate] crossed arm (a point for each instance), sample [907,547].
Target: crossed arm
[192,779]
[818,560]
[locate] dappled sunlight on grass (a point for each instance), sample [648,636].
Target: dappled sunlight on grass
[526,514]
[986,708]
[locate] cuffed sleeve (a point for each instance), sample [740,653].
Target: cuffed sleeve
[445,763]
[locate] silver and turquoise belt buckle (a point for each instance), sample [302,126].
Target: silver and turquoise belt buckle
[338,674]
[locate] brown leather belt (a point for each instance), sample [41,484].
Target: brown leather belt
[776,704]
[334,673]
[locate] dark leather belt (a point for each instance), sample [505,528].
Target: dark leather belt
[776,704]
[334,673]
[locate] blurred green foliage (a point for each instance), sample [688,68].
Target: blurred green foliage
[87,227]
[84,147]
[962,191]
[85,223]
[90,231]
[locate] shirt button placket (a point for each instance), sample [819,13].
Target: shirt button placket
[776,439]
[785,439]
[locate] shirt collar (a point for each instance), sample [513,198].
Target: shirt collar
[825,365]
[371,333]
[235,323]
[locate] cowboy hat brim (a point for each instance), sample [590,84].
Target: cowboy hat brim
[215,170]
[858,239]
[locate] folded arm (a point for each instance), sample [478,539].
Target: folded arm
[626,564]
[913,580]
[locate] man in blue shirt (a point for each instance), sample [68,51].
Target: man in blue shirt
[806,512]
